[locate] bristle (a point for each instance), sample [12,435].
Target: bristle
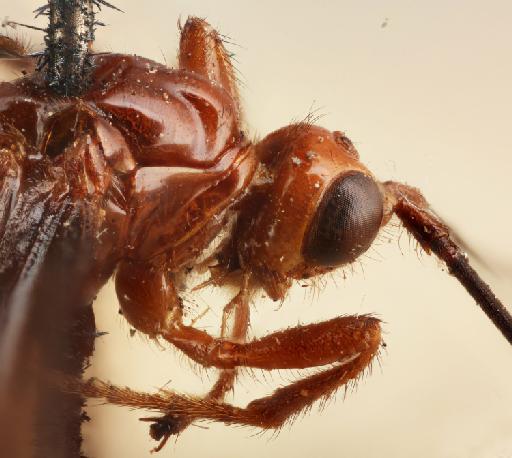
[11,47]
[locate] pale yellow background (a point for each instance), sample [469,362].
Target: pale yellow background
[427,99]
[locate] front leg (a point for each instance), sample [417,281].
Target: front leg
[350,343]
[151,304]
[355,340]
[433,235]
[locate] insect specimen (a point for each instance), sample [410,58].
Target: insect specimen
[143,169]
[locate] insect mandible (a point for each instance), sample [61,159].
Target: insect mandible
[296,162]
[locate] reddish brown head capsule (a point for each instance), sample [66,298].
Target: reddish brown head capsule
[317,207]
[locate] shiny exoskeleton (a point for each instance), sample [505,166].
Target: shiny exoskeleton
[141,172]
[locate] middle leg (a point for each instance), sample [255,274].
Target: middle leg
[163,427]
[202,51]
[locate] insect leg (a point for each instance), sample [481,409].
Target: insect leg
[202,51]
[162,428]
[319,343]
[240,305]
[14,55]
[11,47]
[434,236]
[357,341]
[151,304]
[348,342]
[146,295]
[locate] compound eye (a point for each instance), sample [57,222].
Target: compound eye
[346,221]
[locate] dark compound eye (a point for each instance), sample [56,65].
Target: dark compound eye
[346,222]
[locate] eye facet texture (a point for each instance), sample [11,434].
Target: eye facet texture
[346,222]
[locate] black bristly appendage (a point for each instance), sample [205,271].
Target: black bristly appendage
[69,36]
